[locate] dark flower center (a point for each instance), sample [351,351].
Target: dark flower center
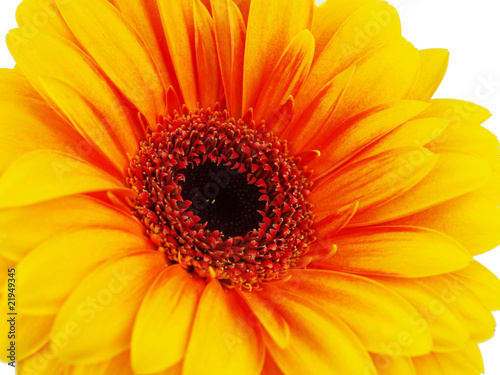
[222,198]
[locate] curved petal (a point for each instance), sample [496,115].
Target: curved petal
[105,305]
[401,251]
[222,341]
[434,63]
[47,263]
[33,334]
[428,365]
[314,339]
[44,175]
[375,314]
[44,362]
[13,83]
[393,365]
[271,27]
[372,181]
[163,325]
[51,218]
[110,40]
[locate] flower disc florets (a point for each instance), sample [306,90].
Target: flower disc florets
[222,198]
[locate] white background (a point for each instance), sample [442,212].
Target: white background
[470,30]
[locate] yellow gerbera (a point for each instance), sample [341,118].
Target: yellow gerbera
[249,187]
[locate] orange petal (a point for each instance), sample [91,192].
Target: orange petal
[372,181]
[314,338]
[374,313]
[222,341]
[372,25]
[357,133]
[230,32]
[271,320]
[434,63]
[13,84]
[112,42]
[178,23]
[163,325]
[401,251]
[271,27]
[52,257]
[209,76]
[455,174]
[52,57]
[105,304]
[48,219]
[428,365]
[44,175]
[287,76]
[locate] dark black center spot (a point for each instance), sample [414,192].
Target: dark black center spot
[222,198]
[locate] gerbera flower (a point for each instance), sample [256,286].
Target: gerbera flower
[219,187]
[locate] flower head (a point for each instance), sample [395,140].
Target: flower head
[241,187]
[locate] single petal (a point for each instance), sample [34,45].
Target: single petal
[178,24]
[434,63]
[448,330]
[314,339]
[13,84]
[375,314]
[222,341]
[371,25]
[163,325]
[348,139]
[49,219]
[401,251]
[33,334]
[230,31]
[105,304]
[472,219]
[49,260]
[44,362]
[53,57]
[271,27]
[119,365]
[207,62]
[372,181]
[393,365]
[455,174]
[110,40]
[44,175]
[287,76]
[274,324]
[428,365]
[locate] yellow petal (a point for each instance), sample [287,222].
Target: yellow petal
[428,365]
[287,76]
[44,175]
[471,219]
[375,314]
[45,362]
[434,63]
[275,325]
[348,139]
[48,263]
[372,25]
[222,341]
[13,84]
[105,304]
[163,325]
[53,57]
[33,334]
[209,76]
[401,251]
[230,33]
[271,27]
[119,365]
[448,330]
[483,283]
[48,219]
[329,17]
[314,338]
[455,174]
[393,365]
[371,84]
[178,24]
[111,41]
[454,363]
[457,296]
[372,181]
